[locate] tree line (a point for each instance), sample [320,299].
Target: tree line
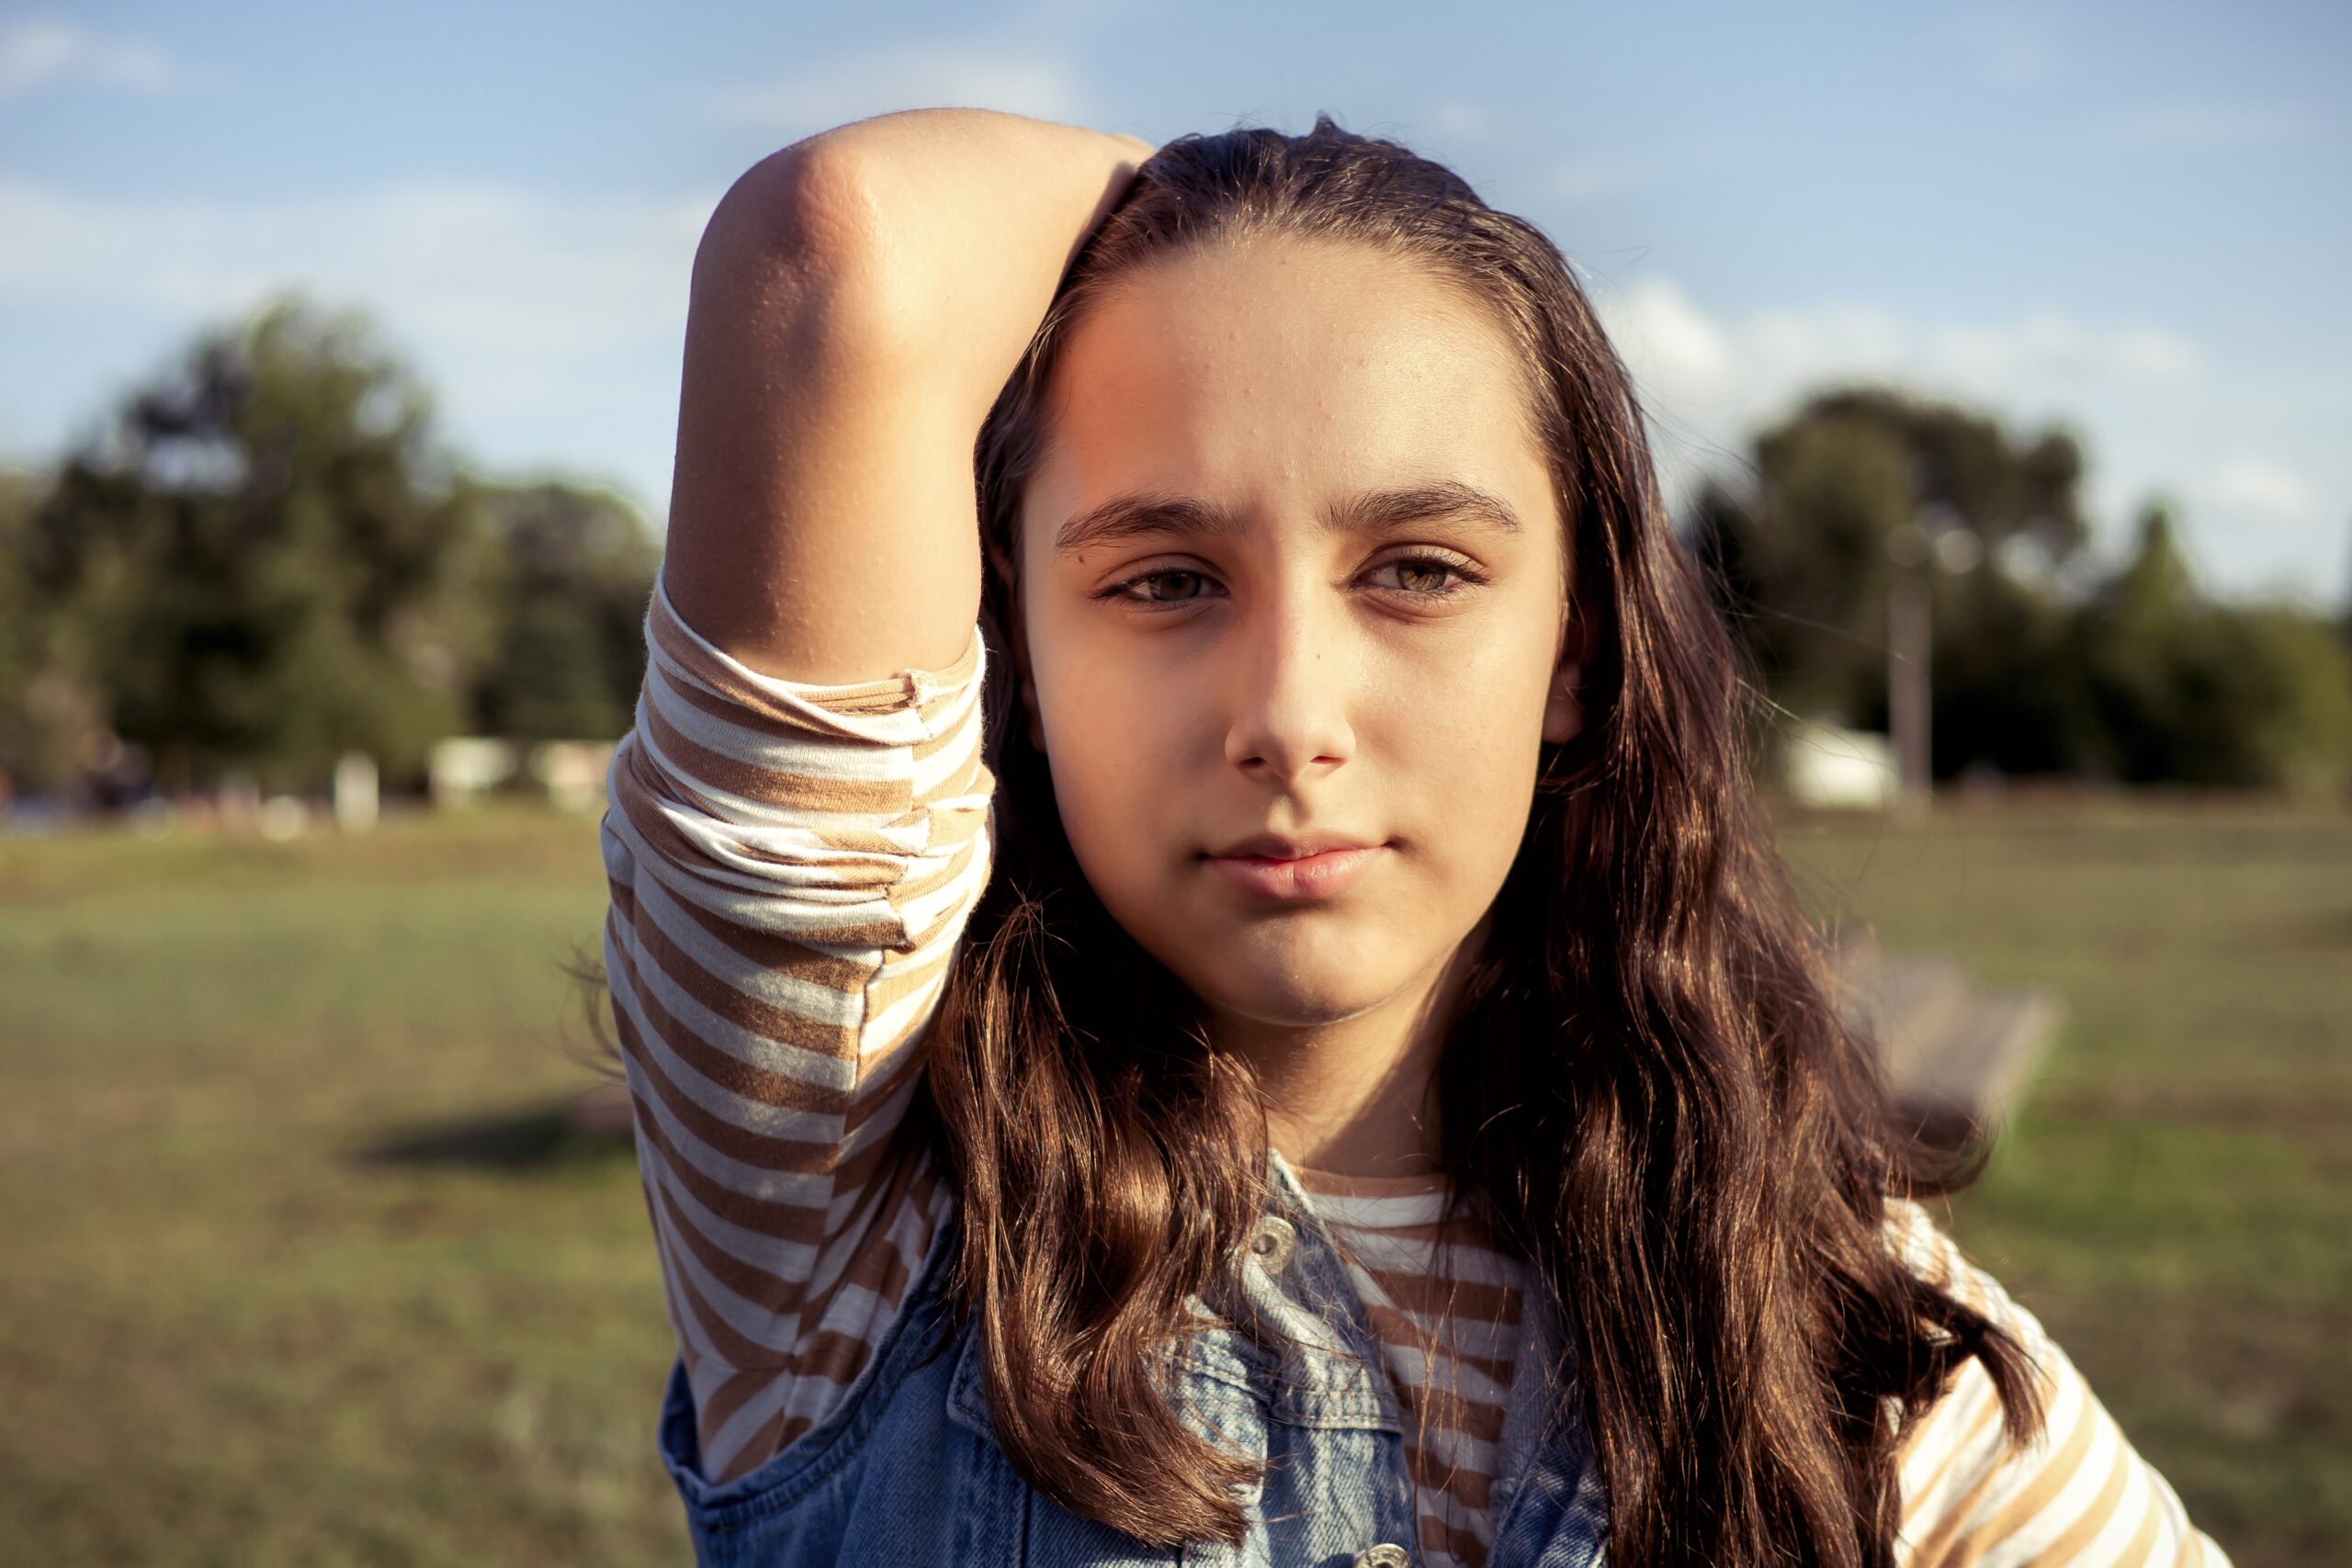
[263,558]
[2043,662]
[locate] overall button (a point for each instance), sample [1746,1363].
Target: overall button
[1388,1554]
[1271,1244]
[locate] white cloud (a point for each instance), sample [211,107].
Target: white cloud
[1666,339]
[36,51]
[517,285]
[1709,382]
[2247,484]
[2155,417]
[1687,358]
[909,75]
[548,327]
[2048,348]
[2205,126]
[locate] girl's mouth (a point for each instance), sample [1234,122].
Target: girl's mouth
[1304,879]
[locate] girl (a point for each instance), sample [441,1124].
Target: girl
[1232,1007]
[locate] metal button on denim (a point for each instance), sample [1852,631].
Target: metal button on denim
[1388,1554]
[1272,1242]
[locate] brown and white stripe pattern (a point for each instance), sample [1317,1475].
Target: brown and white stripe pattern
[1448,1319]
[791,866]
[1445,1306]
[2078,1496]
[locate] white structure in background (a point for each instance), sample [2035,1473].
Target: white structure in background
[463,767]
[1828,765]
[282,816]
[570,773]
[1935,540]
[355,798]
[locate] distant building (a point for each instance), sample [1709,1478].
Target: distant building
[572,771]
[1826,764]
[568,773]
[463,768]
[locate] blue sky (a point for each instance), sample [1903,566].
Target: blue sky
[2133,218]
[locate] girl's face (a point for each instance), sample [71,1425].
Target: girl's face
[1293,564]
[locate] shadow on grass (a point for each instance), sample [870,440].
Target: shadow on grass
[519,1140]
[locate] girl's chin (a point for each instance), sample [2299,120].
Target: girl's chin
[1286,999]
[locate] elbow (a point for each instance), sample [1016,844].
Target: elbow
[812,204]
[814,219]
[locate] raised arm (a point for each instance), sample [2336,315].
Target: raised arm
[859,300]
[797,827]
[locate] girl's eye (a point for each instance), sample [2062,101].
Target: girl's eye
[1417,577]
[1427,570]
[1145,580]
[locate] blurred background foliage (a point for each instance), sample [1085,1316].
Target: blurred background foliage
[262,560]
[2043,663]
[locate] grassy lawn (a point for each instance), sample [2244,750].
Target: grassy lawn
[263,1307]
[302,1270]
[2175,1200]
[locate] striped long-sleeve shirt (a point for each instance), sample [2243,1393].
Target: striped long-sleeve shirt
[1445,1303]
[791,866]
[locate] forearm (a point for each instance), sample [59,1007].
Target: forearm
[777,942]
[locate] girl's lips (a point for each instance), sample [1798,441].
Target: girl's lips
[1307,878]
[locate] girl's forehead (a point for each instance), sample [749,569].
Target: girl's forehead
[1284,370]
[1256,306]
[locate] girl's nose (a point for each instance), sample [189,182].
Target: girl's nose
[1293,679]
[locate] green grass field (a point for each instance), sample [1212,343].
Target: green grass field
[301,1268]
[2175,1200]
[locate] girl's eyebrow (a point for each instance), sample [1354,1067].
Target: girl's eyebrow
[1128,517]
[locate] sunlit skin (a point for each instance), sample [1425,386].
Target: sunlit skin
[1192,687]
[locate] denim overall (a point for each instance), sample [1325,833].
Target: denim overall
[906,1471]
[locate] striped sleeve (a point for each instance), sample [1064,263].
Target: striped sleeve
[791,866]
[2076,1496]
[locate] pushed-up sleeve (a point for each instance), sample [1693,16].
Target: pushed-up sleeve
[791,867]
[2077,1495]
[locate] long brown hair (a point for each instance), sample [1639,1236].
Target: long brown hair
[1647,1088]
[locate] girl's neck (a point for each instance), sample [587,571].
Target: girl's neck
[1351,1097]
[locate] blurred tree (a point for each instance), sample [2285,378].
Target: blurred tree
[263,561]
[1803,553]
[51,714]
[1805,556]
[2180,689]
[2005,694]
[22,621]
[35,752]
[574,569]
